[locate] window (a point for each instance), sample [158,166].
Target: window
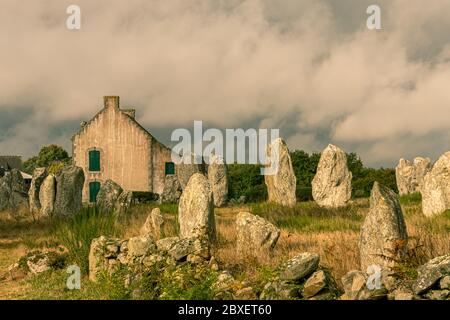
[94,188]
[170,168]
[94,160]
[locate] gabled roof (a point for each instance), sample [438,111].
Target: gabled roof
[137,124]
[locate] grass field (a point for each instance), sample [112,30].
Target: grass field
[333,234]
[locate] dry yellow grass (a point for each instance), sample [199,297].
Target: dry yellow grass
[332,234]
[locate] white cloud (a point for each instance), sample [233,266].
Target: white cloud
[294,63]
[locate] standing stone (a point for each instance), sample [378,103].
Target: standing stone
[254,234]
[436,187]
[39,176]
[47,196]
[69,188]
[108,195]
[410,176]
[13,193]
[383,235]
[190,164]
[196,209]
[124,202]
[153,224]
[172,189]
[332,184]
[218,179]
[421,167]
[404,174]
[281,186]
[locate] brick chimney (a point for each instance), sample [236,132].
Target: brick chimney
[111,101]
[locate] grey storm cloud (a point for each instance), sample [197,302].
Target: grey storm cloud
[308,67]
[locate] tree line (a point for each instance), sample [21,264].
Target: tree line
[246,179]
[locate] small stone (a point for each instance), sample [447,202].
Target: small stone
[166,243]
[245,294]
[314,284]
[445,283]
[300,266]
[437,294]
[431,272]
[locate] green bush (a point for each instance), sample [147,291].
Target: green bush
[52,156]
[77,232]
[246,180]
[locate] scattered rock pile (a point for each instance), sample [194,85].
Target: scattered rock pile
[432,283]
[301,278]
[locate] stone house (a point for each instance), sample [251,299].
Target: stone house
[113,145]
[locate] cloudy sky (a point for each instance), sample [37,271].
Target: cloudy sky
[308,67]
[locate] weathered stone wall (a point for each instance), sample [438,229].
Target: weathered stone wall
[160,155]
[125,151]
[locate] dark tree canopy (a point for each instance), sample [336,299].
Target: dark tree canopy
[245,180]
[50,155]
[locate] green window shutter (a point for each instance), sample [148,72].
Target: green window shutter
[94,188]
[94,160]
[170,168]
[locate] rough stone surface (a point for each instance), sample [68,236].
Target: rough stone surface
[47,196]
[279,290]
[13,193]
[140,246]
[108,195]
[69,189]
[254,234]
[38,263]
[431,272]
[172,189]
[281,185]
[410,176]
[355,287]
[436,187]
[185,247]
[39,176]
[167,243]
[196,209]
[383,236]
[314,284]
[332,184]
[300,266]
[124,202]
[445,283]
[218,180]
[437,294]
[153,224]
[188,167]
[101,252]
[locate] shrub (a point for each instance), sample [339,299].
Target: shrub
[77,232]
